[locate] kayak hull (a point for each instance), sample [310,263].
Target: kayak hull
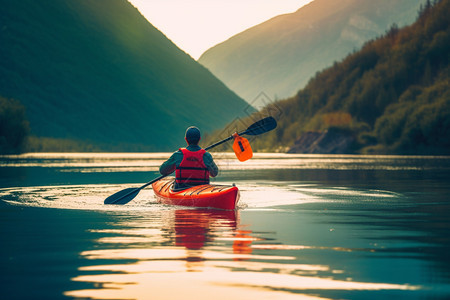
[205,196]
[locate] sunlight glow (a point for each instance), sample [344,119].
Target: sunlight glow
[195,26]
[157,270]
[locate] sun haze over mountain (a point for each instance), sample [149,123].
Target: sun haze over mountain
[197,25]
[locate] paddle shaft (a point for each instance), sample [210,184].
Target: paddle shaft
[162,176]
[219,143]
[255,129]
[225,140]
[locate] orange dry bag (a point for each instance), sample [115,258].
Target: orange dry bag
[242,148]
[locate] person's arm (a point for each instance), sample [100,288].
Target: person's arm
[210,164]
[170,165]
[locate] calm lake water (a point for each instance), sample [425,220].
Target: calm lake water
[307,227]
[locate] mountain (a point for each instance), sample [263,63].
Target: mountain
[280,55]
[97,72]
[391,97]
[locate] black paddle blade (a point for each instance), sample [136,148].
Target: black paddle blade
[262,126]
[122,197]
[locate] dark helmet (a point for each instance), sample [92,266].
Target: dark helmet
[192,135]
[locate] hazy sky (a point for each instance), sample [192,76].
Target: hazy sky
[197,25]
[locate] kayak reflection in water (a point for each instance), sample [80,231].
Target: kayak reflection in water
[192,165]
[197,229]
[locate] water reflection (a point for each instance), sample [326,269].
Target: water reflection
[43,169]
[182,252]
[109,162]
[308,226]
[195,228]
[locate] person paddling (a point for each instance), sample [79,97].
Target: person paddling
[192,165]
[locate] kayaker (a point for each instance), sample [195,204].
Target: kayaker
[192,165]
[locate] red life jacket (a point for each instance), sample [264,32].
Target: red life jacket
[192,169]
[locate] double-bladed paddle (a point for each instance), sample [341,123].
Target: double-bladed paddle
[257,128]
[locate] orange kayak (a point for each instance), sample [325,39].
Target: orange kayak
[206,195]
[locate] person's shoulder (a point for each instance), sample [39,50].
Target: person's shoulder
[177,152]
[207,155]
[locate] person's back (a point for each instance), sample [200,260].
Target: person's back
[192,165]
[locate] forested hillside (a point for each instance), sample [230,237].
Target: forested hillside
[279,56]
[97,73]
[13,126]
[393,95]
